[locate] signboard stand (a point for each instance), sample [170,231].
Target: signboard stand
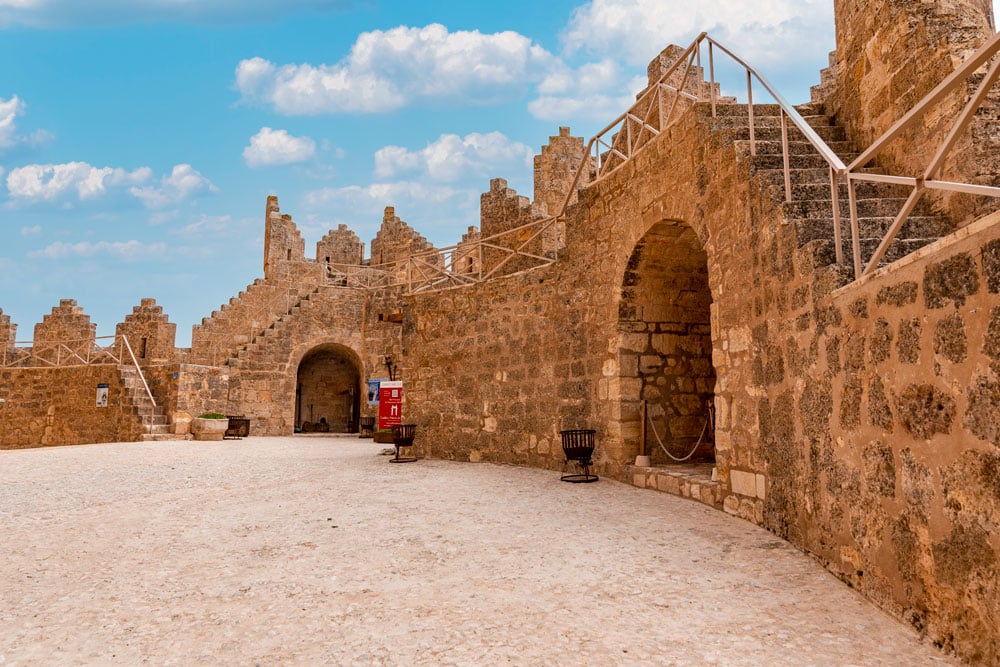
[390,405]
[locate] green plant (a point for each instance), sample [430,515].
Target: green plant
[212,415]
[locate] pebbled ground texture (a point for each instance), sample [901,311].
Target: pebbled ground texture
[317,550]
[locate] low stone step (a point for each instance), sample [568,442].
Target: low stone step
[916,227]
[828,134]
[766,162]
[822,208]
[824,254]
[162,437]
[821,189]
[774,147]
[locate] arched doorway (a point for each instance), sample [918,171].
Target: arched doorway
[328,391]
[665,351]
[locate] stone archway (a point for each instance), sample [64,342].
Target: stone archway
[665,350]
[328,390]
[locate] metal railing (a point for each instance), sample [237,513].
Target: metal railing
[678,89]
[81,352]
[615,145]
[929,178]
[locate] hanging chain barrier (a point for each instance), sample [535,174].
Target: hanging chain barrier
[709,421]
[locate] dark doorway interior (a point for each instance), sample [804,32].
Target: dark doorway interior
[327,396]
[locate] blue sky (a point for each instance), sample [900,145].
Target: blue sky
[139,138]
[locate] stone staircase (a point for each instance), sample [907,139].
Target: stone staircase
[811,207]
[259,338]
[235,323]
[155,423]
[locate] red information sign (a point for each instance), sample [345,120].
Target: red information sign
[390,404]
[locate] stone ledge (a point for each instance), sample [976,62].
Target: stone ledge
[684,481]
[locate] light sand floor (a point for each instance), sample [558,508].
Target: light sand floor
[317,550]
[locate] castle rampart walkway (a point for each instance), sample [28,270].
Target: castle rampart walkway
[314,550]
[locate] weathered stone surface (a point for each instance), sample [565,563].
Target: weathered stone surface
[897,295]
[964,556]
[881,341]
[908,341]
[950,340]
[850,403]
[880,469]
[982,417]
[879,412]
[991,266]
[924,410]
[991,341]
[955,279]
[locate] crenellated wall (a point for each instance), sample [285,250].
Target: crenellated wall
[150,334]
[858,420]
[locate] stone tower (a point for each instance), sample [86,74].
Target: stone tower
[282,240]
[150,333]
[65,332]
[8,331]
[340,246]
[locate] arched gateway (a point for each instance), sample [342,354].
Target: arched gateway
[665,351]
[328,390]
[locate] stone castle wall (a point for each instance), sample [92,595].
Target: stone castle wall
[57,406]
[858,421]
[878,429]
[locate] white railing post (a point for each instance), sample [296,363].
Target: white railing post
[753,142]
[852,199]
[835,203]
[711,71]
[786,160]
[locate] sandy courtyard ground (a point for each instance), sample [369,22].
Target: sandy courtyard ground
[317,550]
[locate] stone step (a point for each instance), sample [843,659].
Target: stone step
[766,162]
[162,437]
[741,119]
[824,253]
[802,189]
[916,227]
[828,134]
[822,208]
[768,147]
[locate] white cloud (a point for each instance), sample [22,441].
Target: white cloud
[183,182]
[276,147]
[376,196]
[46,182]
[9,136]
[215,225]
[65,13]
[123,249]
[452,158]
[594,91]
[391,69]
[440,212]
[81,181]
[772,32]
[29,231]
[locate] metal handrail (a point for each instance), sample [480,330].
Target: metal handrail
[621,144]
[651,100]
[925,181]
[138,370]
